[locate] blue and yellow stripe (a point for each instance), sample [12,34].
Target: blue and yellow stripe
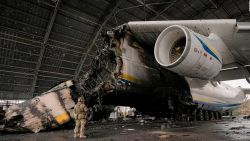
[218,105]
[133,79]
[209,50]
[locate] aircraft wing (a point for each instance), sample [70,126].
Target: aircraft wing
[236,36]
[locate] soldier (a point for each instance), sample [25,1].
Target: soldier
[80,115]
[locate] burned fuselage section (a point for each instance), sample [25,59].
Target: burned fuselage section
[141,82]
[46,111]
[54,107]
[123,73]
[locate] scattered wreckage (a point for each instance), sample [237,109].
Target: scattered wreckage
[47,110]
[122,73]
[54,107]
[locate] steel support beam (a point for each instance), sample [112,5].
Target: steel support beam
[235,3]
[189,5]
[17,95]
[77,15]
[20,42]
[15,84]
[15,76]
[234,71]
[57,73]
[31,26]
[15,72]
[152,9]
[23,12]
[164,10]
[226,11]
[212,2]
[46,37]
[104,20]
[140,5]
[15,59]
[74,14]
[207,8]
[51,77]
[183,13]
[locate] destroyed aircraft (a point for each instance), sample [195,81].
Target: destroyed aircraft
[54,107]
[125,72]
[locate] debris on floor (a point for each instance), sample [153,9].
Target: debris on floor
[237,128]
[97,131]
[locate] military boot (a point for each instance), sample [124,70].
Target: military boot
[83,136]
[75,135]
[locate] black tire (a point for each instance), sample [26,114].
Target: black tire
[194,115]
[219,115]
[216,117]
[205,115]
[211,115]
[199,115]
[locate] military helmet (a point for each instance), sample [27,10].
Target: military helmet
[80,99]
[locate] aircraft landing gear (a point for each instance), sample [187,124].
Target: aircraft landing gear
[205,115]
[211,115]
[199,115]
[220,115]
[194,115]
[216,115]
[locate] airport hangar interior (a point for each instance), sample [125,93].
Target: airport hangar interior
[146,69]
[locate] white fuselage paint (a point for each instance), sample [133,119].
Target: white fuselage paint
[134,58]
[200,58]
[215,96]
[234,35]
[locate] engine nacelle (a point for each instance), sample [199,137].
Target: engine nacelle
[188,53]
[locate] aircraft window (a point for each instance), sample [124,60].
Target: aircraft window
[177,49]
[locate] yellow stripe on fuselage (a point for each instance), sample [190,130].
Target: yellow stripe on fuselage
[203,99]
[131,78]
[60,119]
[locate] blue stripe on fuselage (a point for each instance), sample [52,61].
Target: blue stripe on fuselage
[218,104]
[207,49]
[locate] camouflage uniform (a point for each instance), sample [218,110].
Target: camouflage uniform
[80,114]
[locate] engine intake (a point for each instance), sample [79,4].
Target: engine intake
[187,53]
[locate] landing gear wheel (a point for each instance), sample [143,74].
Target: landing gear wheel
[188,115]
[199,115]
[219,115]
[206,115]
[193,115]
[216,116]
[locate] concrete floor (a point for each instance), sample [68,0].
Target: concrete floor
[225,130]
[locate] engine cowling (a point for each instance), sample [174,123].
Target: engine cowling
[188,53]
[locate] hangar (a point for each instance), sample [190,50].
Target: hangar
[44,43]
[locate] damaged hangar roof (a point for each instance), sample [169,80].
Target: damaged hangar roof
[43,42]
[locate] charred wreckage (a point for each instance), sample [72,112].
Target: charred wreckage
[122,73]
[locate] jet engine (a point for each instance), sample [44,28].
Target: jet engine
[188,53]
